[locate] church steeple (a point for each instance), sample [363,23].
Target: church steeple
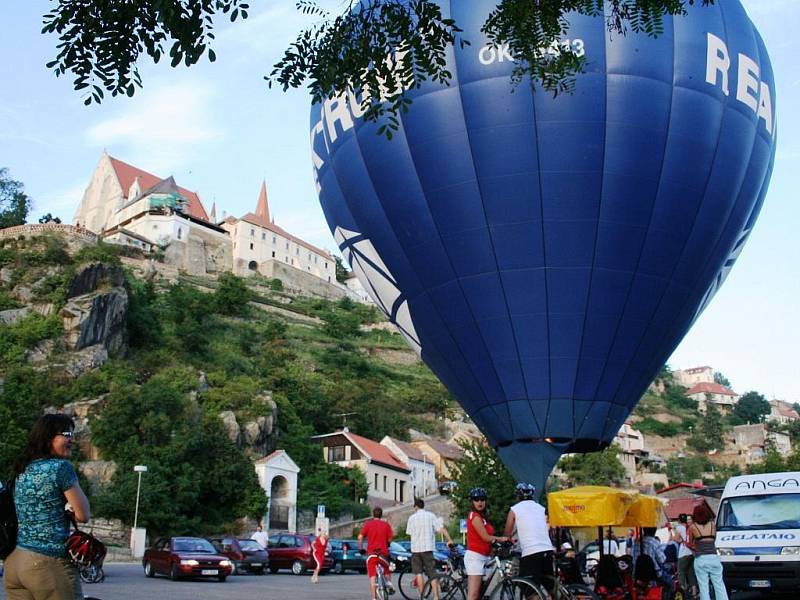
[262,209]
[213,216]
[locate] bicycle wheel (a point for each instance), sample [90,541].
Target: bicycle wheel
[578,591]
[405,583]
[449,588]
[381,591]
[519,589]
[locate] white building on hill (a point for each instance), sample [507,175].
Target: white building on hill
[703,393]
[782,412]
[691,377]
[258,244]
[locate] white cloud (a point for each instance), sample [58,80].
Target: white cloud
[162,126]
[264,34]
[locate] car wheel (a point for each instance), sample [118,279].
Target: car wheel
[338,568]
[222,578]
[260,571]
[148,569]
[298,568]
[174,575]
[273,570]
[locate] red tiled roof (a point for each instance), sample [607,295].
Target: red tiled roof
[681,506]
[710,388]
[410,450]
[269,457]
[126,174]
[682,484]
[785,410]
[376,451]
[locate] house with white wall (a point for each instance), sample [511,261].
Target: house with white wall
[387,476]
[690,377]
[721,396]
[423,472]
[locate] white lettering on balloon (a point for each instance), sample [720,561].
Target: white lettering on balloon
[750,90]
[499,53]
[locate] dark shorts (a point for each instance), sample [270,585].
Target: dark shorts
[538,566]
[423,562]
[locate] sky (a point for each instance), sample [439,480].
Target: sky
[220,131]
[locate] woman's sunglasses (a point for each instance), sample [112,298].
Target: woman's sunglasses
[68,434]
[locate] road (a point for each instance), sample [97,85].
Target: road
[127,582]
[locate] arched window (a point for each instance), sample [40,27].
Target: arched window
[253,265]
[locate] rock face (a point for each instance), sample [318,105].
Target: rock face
[14,315]
[98,473]
[256,436]
[96,308]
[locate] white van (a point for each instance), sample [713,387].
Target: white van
[758,531]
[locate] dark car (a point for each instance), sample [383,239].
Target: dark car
[346,556]
[293,551]
[245,554]
[183,557]
[447,487]
[439,555]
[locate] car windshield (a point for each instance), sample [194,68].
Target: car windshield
[193,545]
[774,511]
[251,545]
[395,547]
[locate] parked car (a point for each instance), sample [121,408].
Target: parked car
[293,551]
[183,557]
[346,556]
[447,487]
[439,555]
[245,555]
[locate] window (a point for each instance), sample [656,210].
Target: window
[286,259]
[309,256]
[326,264]
[180,232]
[335,453]
[376,482]
[297,251]
[287,245]
[252,233]
[315,259]
[292,261]
[385,479]
[251,245]
[274,239]
[273,254]
[263,235]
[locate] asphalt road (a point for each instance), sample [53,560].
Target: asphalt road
[127,582]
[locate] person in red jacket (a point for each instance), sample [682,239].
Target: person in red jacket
[378,534]
[318,548]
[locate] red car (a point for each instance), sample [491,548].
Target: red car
[293,551]
[181,557]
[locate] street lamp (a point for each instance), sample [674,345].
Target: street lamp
[138,469]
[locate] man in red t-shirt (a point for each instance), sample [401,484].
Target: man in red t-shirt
[379,535]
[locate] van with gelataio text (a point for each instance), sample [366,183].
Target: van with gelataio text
[758,532]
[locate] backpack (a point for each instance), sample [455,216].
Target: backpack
[8,521]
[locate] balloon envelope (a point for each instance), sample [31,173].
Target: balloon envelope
[545,255]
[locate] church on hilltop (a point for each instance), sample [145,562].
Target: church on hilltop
[126,205]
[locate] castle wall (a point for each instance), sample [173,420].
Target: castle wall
[101,199]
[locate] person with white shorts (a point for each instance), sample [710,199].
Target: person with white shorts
[480,537]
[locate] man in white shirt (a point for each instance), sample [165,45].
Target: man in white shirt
[422,528]
[529,519]
[260,536]
[610,545]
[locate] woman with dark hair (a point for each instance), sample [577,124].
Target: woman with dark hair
[707,566]
[44,480]
[480,537]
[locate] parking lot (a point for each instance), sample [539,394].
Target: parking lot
[127,582]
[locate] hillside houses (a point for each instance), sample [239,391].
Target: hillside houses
[721,396]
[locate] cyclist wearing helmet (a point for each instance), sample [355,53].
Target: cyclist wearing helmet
[480,536]
[528,517]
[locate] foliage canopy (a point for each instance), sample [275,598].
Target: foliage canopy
[377,50]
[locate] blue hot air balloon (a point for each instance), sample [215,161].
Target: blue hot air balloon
[545,255]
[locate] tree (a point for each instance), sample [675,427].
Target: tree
[709,435]
[686,469]
[341,270]
[14,202]
[49,218]
[721,379]
[376,49]
[594,468]
[481,467]
[232,295]
[751,408]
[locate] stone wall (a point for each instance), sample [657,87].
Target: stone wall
[297,281]
[76,237]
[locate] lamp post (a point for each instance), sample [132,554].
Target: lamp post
[138,469]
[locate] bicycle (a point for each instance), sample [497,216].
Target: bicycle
[91,574]
[508,587]
[382,585]
[454,564]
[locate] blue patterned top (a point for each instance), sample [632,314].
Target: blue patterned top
[39,498]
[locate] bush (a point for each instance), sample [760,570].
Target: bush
[102,252]
[276,285]
[232,295]
[650,425]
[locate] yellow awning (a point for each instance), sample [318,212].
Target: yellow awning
[596,505]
